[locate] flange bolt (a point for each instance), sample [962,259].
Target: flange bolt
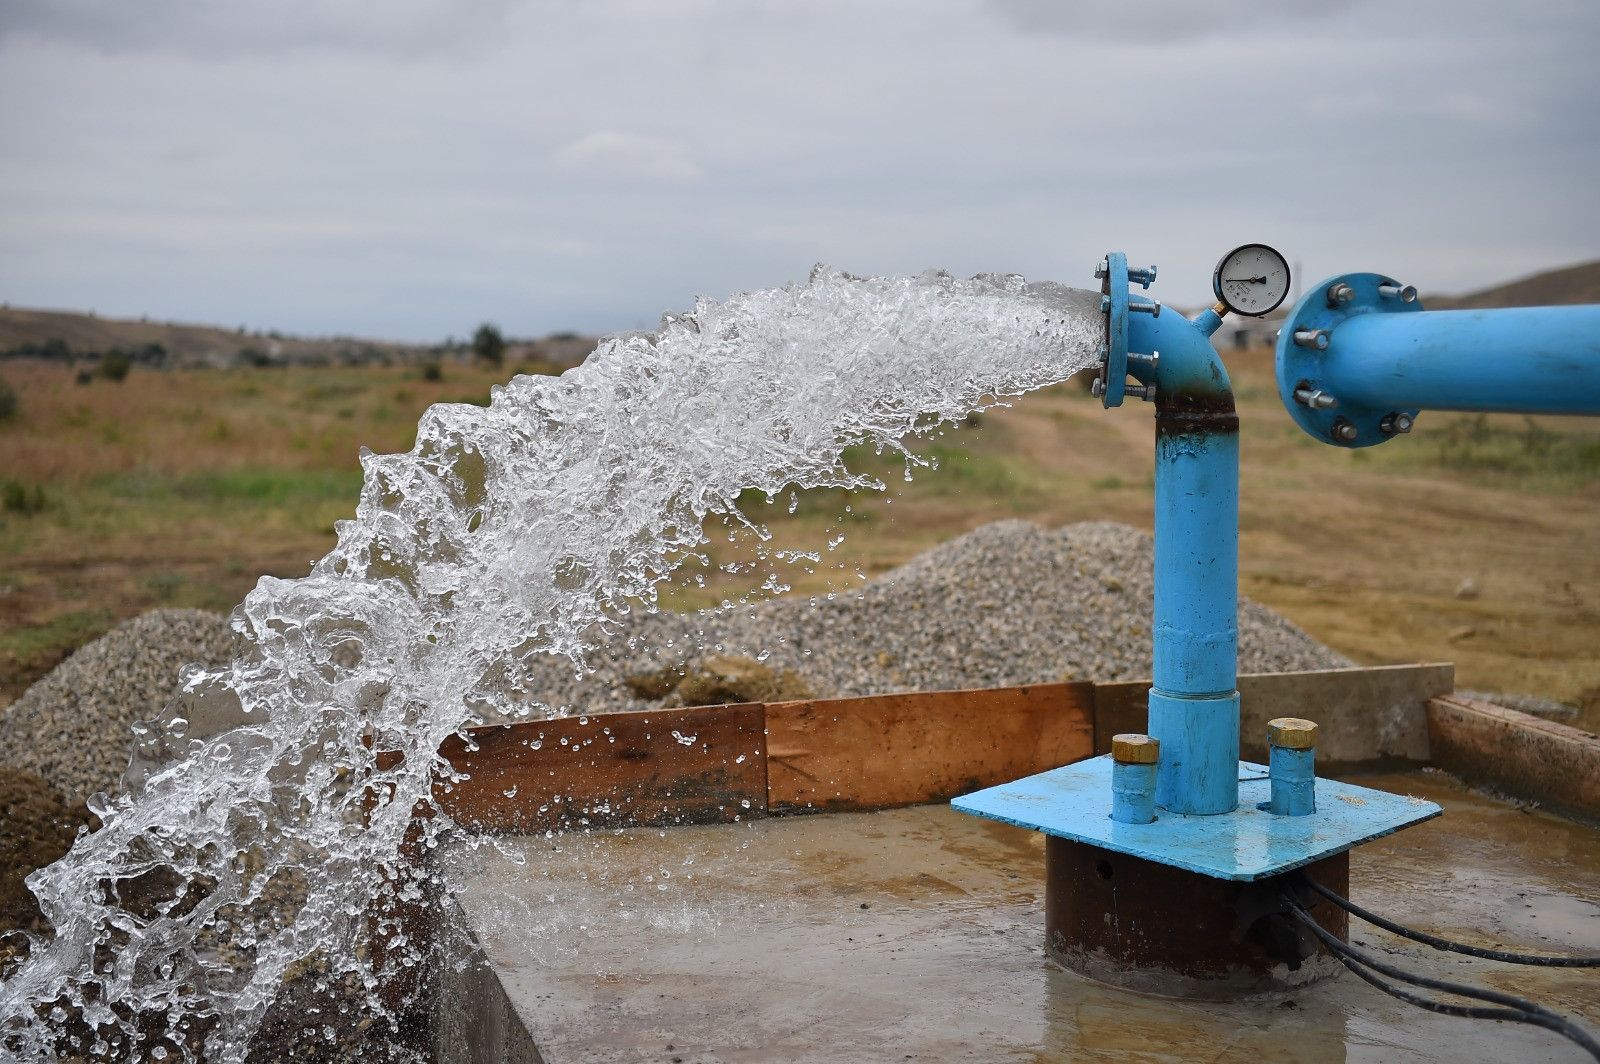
[1404,293]
[1146,392]
[1097,388]
[1345,431]
[1133,778]
[1142,277]
[1316,339]
[1339,294]
[1395,424]
[1101,269]
[1315,398]
[1152,308]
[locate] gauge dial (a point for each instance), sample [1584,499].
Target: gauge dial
[1252,279]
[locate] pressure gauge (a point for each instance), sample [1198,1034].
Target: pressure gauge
[1252,279]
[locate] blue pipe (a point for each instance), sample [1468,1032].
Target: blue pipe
[1194,707]
[1133,793]
[1522,360]
[1293,781]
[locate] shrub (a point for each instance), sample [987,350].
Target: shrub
[17,498]
[84,377]
[432,371]
[488,344]
[8,401]
[115,365]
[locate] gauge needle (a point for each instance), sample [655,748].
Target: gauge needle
[1249,280]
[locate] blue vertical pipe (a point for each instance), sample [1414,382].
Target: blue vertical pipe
[1520,360]
[1194,707]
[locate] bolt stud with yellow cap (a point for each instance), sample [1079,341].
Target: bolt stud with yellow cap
[1133,778]
[1291,766]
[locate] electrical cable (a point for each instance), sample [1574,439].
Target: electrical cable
[1447,944]
[1514,1009]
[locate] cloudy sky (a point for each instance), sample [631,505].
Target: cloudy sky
[411,167]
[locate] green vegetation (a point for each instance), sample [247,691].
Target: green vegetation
[489,345]
[1499,449]
[19,498]
[114,366]
[8,401]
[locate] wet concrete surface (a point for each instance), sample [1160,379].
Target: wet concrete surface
[917,935]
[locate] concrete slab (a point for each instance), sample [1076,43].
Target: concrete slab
[916,935]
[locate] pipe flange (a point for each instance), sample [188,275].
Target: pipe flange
[1309,343]
[1114,305]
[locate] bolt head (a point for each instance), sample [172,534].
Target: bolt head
[1101,270]
[1339,294]
[1292,733]
[1097,388]
[1135,749]
[1402,422]
[1345,431]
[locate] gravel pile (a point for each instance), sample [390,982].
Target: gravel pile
[72,726]
[1008,603]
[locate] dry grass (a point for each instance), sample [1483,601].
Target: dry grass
[182,488]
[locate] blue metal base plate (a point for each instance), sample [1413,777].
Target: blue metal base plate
[1074,802]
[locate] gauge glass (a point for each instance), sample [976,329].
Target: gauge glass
[1252,280]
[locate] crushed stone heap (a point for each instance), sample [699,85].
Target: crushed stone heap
[1007,603]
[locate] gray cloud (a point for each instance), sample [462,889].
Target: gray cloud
[1162,20]
[406,28]
[589,165]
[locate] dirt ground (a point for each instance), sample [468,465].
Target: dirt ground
[1475,540]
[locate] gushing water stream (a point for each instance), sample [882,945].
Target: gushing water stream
[506,535]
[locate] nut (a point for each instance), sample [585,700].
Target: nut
[1135,749]
[1292,733]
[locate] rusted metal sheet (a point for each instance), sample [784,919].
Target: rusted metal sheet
[673,766]
[901,749]
[1366,715]
[1148,926]
[1521,755]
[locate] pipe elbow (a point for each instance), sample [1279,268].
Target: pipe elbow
[1192,386]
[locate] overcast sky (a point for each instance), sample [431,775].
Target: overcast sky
[411,167]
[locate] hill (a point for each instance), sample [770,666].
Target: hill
[1570,284]
[59,335]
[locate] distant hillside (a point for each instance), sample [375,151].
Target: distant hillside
[69,336]
[1570,284]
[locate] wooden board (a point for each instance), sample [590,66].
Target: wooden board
[672,766]
[1366,716]
[901,749]
[1516,753]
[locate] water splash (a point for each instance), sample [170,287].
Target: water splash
[508,534]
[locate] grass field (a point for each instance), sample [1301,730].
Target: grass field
[182,488]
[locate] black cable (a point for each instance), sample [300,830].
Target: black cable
[1447,944]
[1515,1010]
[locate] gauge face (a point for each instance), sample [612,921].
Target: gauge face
[1252,279]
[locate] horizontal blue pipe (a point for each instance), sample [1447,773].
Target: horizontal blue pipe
[1532,360]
